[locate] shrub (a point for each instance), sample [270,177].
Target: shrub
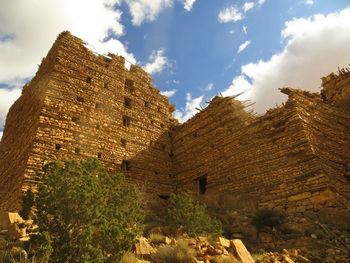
[266,217]
[157,238]
[179,253]
[27,204]
[84,214]
[192,216]
[228,259]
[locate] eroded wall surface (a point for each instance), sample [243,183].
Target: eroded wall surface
[87,105]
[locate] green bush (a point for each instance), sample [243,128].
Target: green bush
[179,253]
[27,204]
[157,238]
[192,216]
[266,217]
[84,214]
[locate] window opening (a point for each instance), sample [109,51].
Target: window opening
[80,99]
[105,85]
[127,102]
[146,104]
[75,119]
[77,150]
[163,147]
[202,184]
[126,121]
[58,146]
[99,155]
[123,143]
[165,197]
[129,85]
[88,80]
[125,166]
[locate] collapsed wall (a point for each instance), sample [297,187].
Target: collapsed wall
[292,158]
[83,105]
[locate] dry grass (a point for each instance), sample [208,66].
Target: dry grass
[179,253]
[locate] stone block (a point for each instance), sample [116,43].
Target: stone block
[240,251]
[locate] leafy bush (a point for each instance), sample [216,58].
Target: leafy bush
[157,238]
[27,204]
[179,253]
[266,217]
[192,216]
[84,214]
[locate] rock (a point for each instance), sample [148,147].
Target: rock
[287,259]
[15,232]
[7,219]
[223,242]
[240,251]
[143,248]
[313,236]
[301,259]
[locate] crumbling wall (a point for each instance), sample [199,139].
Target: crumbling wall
[92,106]
[269,159]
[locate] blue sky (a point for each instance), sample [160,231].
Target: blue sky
[194,49]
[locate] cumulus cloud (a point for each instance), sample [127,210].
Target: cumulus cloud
[22,45]
[176,81]
[168,93]
[230,14]
[191,104]
[209,87]
[7,97]
[309,2]
[244,29]
[315,46]
[261,2]
[247,6]
[188,4]
[158,62]
[243,46]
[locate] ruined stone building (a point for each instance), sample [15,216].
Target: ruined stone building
[295,157]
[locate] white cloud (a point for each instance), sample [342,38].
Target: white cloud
[188,4]
[146,10]
[209,87]
[229,14]
[168,93]
[1,134]
[7,97]
[244,29]
[243,46]
[158,62]
[261,2]
[33,25]
[176,81]
[247,6]
[232,32]
[309,2]
[316,46]
[190,109]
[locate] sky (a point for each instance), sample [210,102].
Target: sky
[193,49]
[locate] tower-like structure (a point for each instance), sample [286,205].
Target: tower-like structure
[82,105]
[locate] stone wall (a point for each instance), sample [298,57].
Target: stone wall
[80,104]
[87,105]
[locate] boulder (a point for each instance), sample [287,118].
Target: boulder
[143,248]
[223,242]
[7,219]
[240,251]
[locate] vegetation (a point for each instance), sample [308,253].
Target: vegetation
[192,216]
[229,259]
[27,204]
[84,214]
[266,217]
[179,253]
[11,257]
[157,238]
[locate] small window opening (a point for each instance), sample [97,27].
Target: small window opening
[127,102]
[98,106]
[99,155]
[75,119]
[58,146]
[80,99]
[171,154]
[105,85]
[170,134]
[155,172]
[162,125]
[146,104]
[123,143]
[125,166]
[195,134]
[88,80]
[165,197]
[97,126]
[129,85]
[77,150]
[158,109]
[126,121]
[202,184]
[162,147]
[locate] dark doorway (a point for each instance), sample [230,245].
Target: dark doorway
[202,184]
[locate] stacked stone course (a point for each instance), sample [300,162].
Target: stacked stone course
[79,104]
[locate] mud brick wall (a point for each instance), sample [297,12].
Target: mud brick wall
[89,106]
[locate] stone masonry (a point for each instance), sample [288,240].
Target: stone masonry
[295,157]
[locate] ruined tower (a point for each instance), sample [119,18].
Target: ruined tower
[295,157]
